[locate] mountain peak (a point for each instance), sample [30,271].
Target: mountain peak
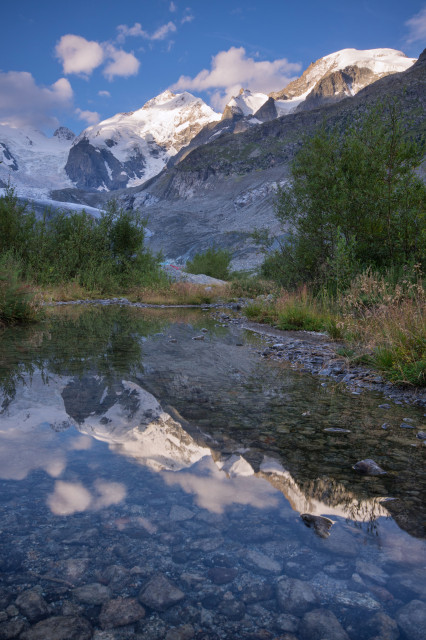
[63,133]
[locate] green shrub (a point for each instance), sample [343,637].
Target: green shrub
[213,262]
[18,300]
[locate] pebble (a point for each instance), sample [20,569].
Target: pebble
[321,624]
[59,628]
[32,605]
[94,593]
[412,620]
[119,612]
[295,596]
[368,467]
[160,593]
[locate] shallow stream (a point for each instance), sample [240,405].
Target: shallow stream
[153,473]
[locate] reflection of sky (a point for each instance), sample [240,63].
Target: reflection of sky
[149,436]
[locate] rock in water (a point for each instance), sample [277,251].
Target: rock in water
[60,628]
[369,468]
[160,594]
[319,524]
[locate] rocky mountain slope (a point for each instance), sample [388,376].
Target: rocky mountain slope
[222,190]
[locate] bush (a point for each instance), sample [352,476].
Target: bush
[355,202]
[18,300]
[213,262]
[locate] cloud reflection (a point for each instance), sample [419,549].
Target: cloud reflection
[215,490]
[72,497]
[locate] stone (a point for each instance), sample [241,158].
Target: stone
[412,620]
[184,632]
[369,468]
[286,622]
[32,605]
[319,524]
[261,562]
[93,593]
[357,600]
[232,608]
[257,591]
[119,612]
[11,629]
[222,575]
[59,628]
[421,435]
[180,514]
[295,596]
[321,624]
[371,571]
[382,627]
[160,593]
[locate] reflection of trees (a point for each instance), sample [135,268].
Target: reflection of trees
[76,340]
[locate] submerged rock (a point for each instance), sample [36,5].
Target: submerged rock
[295,596]
[412,620]
[93,594]
[160,594]
[321,624]
[369,468]
[32,605]
[319,524]
[119,612]
[60,628]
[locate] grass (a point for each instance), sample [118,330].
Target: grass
[381,320]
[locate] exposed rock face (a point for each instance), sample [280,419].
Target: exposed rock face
[7,157]
[267,111]
[63,133]
[337,85]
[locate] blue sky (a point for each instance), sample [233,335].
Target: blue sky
[76,62]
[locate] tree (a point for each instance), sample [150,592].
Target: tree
[354,194]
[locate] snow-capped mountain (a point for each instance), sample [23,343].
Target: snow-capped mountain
[337,76]
[33,162]
[129,148]
[329,79]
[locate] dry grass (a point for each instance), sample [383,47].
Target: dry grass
[180,293]
[384,323]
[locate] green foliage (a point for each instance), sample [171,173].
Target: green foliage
[106,254]
[18,302]
[213,262]
[355,201]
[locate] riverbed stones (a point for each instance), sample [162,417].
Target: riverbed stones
[180,514]
[295,596]
[184,632]
[160,593]
[321,624]
[287,623]
[92,594]
[12,628]
[119,612]
[32,605]
[412,620]
[59,628]
[261,563]
[369,468]
[222,575]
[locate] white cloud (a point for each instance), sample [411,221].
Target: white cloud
[120,63]
[172,7]
[417,27]
[91,117]
[230,70]
[104,94]
[163,31]
[23,102]
[188,17]
[136,31]
[79,55]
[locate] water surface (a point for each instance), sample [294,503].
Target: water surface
[129,450]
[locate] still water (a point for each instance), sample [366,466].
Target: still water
[152,486]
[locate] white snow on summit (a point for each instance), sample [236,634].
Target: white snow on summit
[33,162]
[248,102]
[157,131]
